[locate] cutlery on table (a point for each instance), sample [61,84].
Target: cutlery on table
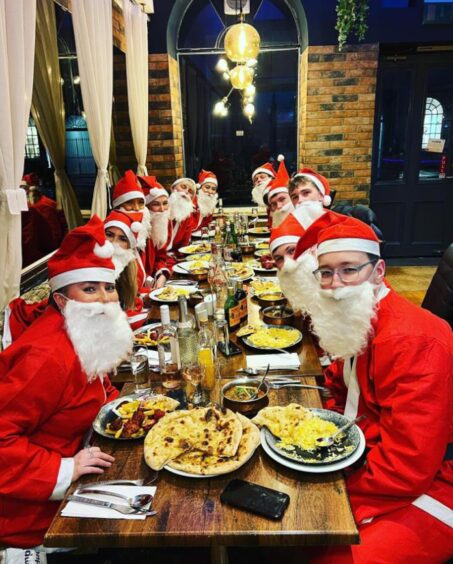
[255,371]
[280,385]
[125,509]
[124,482]
[255,395]
[328,441]
[137,502]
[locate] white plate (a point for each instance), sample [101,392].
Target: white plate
[288,327]
[314,469]
[183,267]
[197,234]
[258,268]
[257,231]
[264,279]
[231,272]
[194,249]
[154,295]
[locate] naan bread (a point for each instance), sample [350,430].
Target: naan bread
[281,420]
[171,436]
[210,430]
[201,463]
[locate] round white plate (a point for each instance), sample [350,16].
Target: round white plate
[258,268]
[184,267]
[198,234]
[154,295]
[194,249]
[314,469]
[231,273]
[251,345]
[263,279]
[259,231]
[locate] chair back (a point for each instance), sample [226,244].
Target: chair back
[439,296]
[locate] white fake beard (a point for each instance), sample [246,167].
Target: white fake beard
[279,216]
[342,318]
[181,206]
[308,212]
[207,203]
[121,258]
[257,192]
[100,334]
[159,228]
[297,282]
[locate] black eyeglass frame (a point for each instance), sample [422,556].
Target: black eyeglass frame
[334,271]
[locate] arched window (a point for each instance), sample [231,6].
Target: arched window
[32,150]
[432,123]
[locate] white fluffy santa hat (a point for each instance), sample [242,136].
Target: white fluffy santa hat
[152,188]
[349,235]
[267,168]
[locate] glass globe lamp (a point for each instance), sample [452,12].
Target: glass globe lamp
[242,42]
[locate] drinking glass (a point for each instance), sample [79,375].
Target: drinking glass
[193,374]
[171,378]
[140,370]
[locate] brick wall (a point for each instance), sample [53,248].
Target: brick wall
[164,158]
[336,124]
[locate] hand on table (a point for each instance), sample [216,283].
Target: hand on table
[159,282]
[90,461]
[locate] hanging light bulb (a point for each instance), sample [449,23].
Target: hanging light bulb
[222,65]
[242,42]
[250,90]
[219,107]
[226,76]
[249,110]
[251,62]
[76,79]
[241,77]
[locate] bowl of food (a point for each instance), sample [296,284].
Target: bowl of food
[247,248]
[271,298]
[278,315]
[239,395]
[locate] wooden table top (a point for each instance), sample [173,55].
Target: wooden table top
[189,509]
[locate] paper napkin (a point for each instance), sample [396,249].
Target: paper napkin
[277,361]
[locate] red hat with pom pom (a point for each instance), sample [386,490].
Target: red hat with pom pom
[280,182]
[152,188]
[207,176]
[127,188]
[85,255]
[130,224]
[349,235]
[320,181]
[267,168]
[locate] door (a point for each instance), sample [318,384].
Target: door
[412,188]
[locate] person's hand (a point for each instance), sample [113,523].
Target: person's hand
[159,282]
[90,461]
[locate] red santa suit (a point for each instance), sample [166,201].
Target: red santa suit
[47,208]
[200,220]
[180,233]
[47,407]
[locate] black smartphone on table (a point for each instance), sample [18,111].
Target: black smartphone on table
[232,350]
[255,498]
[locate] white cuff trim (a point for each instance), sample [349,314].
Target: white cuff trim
[435,509]
[64,479]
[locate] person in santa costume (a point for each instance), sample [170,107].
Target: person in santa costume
[277,197]
[309,186]
[54,381]
[206,199]
[393,365]
[261,177]
[122,229]
[158,263]
[183,220]
[128,197]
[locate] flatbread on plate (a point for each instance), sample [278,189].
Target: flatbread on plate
[281,420]
[198,462]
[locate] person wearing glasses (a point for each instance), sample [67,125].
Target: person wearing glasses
[393,365]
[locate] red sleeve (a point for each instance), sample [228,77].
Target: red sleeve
[205,221]
[334,381]
[411,379]
[110,391]
[29,394]
[163,261]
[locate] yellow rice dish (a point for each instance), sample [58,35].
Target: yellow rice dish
[274,338]
[263,286]
[305,433]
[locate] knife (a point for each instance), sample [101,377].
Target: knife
[125,509]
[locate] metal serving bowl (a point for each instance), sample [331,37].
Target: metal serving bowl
[265,301]
[246,407]
[286,318]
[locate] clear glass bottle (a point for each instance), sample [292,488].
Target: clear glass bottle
[222,335]
[217,276]
[218,233]
[187,336]
[206,348]
[168,351]
[232,313]
[229,244]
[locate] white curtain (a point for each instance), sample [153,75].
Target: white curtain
[136,30]
[17,51]
[92,23]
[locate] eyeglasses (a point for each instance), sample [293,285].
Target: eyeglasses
[346,274]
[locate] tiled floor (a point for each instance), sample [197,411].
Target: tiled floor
[410,281]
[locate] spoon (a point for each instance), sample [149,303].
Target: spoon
[137,502]
[255,395]
[328,441]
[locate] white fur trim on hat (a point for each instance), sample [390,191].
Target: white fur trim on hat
[136,226]
[124,228]
[274,191]
[349,244]
[189,180]
[155,193]
[104,251]
[91,274]
[327,200]
[262,169]
[319,185]
[209,179]
[126,197]
[280,158]
[283,240]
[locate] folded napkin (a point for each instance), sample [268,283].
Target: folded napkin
[76,509]
[277,361]
[153,357]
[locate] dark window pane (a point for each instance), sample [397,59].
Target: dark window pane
[391,154]
[437,123]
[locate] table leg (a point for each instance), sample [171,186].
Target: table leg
[219,554]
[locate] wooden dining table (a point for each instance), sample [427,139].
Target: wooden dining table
[189,511]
